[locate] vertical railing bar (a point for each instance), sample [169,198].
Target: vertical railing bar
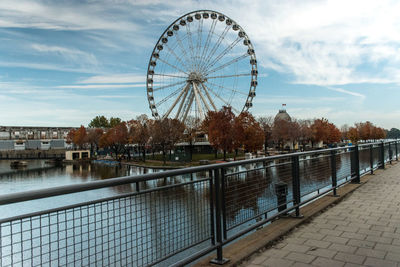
[296,184]
[220,259]
[397,154]
[334,172]
[223,202]
[212,218]
[371,159]
[390,153]
[382,155]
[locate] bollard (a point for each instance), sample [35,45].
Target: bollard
[281,191]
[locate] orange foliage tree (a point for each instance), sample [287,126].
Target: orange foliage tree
[323,130]
[93,138]
[166,133]
[220,128]
[248,132]
[115,138]
[139,131]
[78,136]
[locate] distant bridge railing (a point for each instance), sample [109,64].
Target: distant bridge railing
[175,217]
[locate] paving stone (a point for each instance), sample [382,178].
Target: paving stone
[371,253]
[295,240]
[273,262]
[343,248]
[322,252]
[387,247]
[370,232]
[275,253]
[379,239]
[349,264]
[330,232]
[296,248]
[317,243]
[354,235]
[259,259]
[300,264]
[393,256]
[336,239]
[379,262]
[301,257]
[361,243]
[324,262]
[315,236]
[346,257]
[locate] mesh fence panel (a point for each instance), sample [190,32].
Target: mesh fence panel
[250,194]
[315,173]
[137,230]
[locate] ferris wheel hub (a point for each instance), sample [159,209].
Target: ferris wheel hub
[196,77]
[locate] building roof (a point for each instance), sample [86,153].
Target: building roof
[282,115]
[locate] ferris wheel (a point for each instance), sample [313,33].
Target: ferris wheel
[204,60]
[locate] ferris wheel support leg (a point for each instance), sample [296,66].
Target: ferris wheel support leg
[187,108]
[203,99]
[209,97]
[197,98]
[174,104]
[183,101]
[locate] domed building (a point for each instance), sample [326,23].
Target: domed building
[282,115]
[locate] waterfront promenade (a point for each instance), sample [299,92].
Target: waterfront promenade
[361,230]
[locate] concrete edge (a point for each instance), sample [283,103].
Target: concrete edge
[244,248]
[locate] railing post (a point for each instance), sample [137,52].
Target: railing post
[397,154]
[333,172]
[390,154]
[223,203]
[356,166]
[296,184]
[220,260]
[382,155]
[212,202]
[371,158]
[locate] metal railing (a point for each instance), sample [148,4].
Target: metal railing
[175,217]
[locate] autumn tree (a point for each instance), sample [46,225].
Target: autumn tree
[93,138]
[115,138]
[139,130]
[77,136]
[353,134]
[281,132]
[305,132]
[266,124]
[166,133]
[323,130]
[220,128]
[192,127]
[248,132]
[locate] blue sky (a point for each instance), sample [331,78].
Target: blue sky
[64,62]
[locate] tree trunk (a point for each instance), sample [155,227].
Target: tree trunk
[216,153]
[164,158]
[224,154]
[144,154]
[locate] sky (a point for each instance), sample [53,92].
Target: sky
[64,62]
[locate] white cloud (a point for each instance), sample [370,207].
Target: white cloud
[101,86]
[116,78]
[74,55]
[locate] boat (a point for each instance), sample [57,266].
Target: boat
[18,163]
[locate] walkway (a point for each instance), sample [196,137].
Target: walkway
[362,230]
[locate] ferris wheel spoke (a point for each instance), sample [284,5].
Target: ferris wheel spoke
[177,58]
[197,99]
[223,53]
[220,98]
[182,47]
[216,45]
[169,85]
[209,97]
[165,99]
[169,75]
[183,90]
[188,105]
[202,98]
[191,48]
[183,101]
[173,66]
[226,88]
[228,63]
[209,37]
[198,48]
[229,76]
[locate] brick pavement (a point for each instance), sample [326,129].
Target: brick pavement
[362,230]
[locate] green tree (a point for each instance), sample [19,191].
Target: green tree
[99,122]
[114,122]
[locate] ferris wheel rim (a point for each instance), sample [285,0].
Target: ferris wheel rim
[196,88]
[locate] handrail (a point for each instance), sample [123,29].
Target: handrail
[80,187]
